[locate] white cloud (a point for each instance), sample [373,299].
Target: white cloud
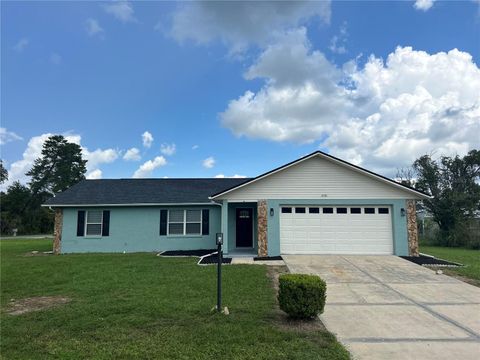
[33,151]
[147,168]
[300,99]
[412,104]
[147,139]
[236,176]
[423,5]
[94,174]
[7,136]
[338,43]
[168,149]
[208,162]
[99,156]
[132,154]
[382,115]
[21,44]
[242,23]
[121,10]
[195,147]
[55,58]
[93,28]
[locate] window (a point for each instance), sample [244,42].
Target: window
[314,210]
[355,210]
[184,222]
[244,214]
[341,210]
[286,210]
[327,210]
[300,210]
[383,210]
[93,225]
[369,210]
[193,224]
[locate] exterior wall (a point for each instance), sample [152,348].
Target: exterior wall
[136,229]
[399,222]
[412,228]
[317,178]
[232,220]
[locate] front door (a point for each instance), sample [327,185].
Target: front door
[244,232]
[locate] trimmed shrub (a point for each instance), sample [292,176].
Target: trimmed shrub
[302,296]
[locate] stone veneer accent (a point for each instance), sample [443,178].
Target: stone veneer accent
[262,228]
[58,231]
[412,228]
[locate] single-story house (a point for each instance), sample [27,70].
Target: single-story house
[318,204]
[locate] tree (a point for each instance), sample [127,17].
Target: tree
[22,210]
[60,166]
[454,184]
[406,176]
[3,173]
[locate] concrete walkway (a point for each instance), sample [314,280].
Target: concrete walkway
[384,307]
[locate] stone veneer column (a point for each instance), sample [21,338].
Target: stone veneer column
[262,228]
[58,231]
[412,228]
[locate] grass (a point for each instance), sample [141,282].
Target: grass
[143,306]
[470,258]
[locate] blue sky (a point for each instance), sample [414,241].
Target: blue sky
[251,86]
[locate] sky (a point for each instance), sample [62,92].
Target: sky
[205,89]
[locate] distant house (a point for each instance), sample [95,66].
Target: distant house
[317,204]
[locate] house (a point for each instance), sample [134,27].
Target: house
[318,204]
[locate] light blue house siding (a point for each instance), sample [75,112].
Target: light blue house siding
[399,222]
[135,229]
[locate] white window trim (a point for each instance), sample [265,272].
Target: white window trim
[87,223]
[185,222]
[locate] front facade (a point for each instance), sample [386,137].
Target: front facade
[315,205]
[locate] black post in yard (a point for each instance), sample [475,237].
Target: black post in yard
[219,271]
[219,279]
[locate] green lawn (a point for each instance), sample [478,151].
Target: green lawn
[144,306]
[470,258]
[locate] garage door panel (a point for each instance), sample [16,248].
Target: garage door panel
[337,233]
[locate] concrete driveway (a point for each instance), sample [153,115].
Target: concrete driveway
[384,307]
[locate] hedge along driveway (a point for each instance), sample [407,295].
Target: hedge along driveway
[140,305]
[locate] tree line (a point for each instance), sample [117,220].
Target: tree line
[454,183]
[453,213]
[60,166]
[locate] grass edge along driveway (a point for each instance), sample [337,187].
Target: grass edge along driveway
[144,306]
[468,257]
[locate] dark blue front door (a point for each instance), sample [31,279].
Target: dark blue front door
[244,228]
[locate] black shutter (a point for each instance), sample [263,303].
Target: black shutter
[163,222]
[106,223]
[205,221]
[81,223]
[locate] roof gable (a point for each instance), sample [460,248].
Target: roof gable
[350,177]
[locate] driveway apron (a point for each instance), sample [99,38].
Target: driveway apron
[385,307]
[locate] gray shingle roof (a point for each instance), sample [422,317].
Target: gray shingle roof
[142,191]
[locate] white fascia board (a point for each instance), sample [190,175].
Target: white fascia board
[130,205]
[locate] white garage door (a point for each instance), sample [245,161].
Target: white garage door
[336,230]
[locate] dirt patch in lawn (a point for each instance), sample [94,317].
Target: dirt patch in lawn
[282,320]
[23,306]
